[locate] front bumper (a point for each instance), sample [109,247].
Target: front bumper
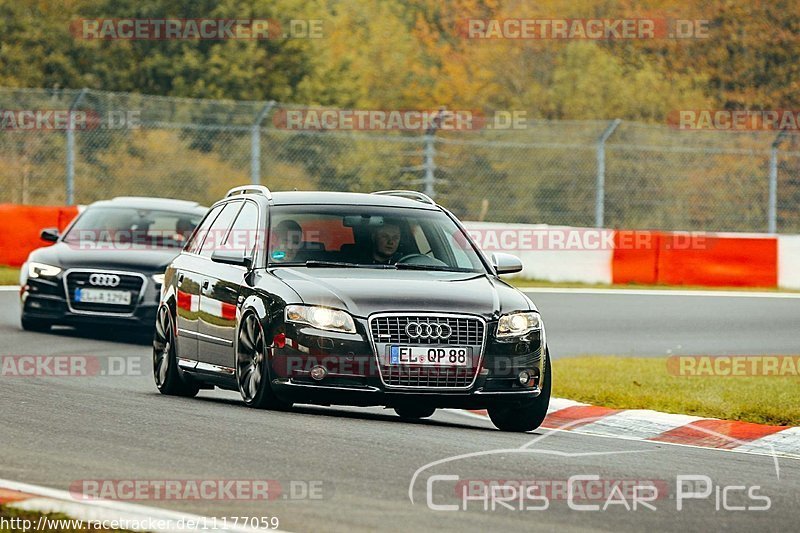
[45,300]
[353,372]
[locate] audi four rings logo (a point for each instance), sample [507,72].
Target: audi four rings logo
[104,280]
[426,330]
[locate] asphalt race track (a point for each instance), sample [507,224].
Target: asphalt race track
[668,322]
[59,430]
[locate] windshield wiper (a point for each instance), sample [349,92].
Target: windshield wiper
[337,264]
[440,268]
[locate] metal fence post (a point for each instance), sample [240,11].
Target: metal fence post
[71,148]
[772,210]
[429,163]
[255,144]
[600,188]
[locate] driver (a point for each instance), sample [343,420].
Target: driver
[385,243]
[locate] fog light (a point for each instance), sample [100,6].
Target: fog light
[318,373]
[524,377]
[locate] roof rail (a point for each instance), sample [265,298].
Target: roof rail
[412,195]
[250,189]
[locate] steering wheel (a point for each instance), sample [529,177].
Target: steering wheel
[420,259]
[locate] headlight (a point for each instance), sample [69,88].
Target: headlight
[158,278]
[36,270]
[518,324]
[321,317]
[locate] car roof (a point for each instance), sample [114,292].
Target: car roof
[145,202]
[346,198]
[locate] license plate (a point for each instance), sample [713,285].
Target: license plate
[430,355]
[100,296]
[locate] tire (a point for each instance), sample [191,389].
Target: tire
[252,368]
[167,376]
[531,413]
[414,412]
[34,324]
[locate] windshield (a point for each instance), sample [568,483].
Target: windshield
[131,226]
[369,237]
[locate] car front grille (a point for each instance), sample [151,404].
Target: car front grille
[132,283]
[465,331]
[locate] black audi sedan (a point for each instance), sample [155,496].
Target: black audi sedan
[108,266]
[327,298]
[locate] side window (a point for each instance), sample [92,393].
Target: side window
[196,241]
[219,229]
[245,231]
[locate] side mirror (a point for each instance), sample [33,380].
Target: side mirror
[506,263]
[49,234]
[231,257]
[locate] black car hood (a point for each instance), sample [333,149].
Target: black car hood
[367,291]
[148,260]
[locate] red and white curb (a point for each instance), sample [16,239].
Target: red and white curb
[654,426]
[130,516]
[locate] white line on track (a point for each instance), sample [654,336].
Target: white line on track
[662,292]
[9,288]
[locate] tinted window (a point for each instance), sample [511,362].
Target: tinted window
[197,239]
[219,229]
[245,231]
[382,236]
[127,225]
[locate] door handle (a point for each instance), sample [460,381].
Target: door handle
[205,284]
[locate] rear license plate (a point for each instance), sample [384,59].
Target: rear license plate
[430,355]
[100,296]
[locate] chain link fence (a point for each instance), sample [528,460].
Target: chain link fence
[577,173]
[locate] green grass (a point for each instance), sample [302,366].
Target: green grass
[19,516]
[9,275]
[647,383]
[532,283]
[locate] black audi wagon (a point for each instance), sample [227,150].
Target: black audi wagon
[351,299]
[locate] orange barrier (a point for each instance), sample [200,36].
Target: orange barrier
[680,258]
[22,225]
[635,258]
[716,261]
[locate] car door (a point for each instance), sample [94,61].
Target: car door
[218,293]
[188,269]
